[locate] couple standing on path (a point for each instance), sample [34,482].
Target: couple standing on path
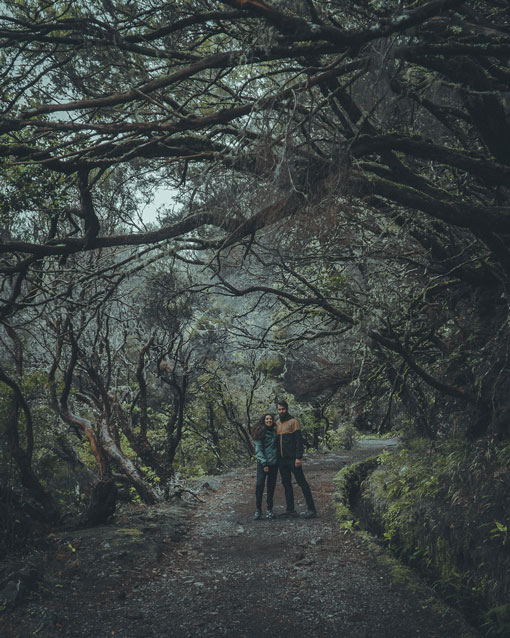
[280,446]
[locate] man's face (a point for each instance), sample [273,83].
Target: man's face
[282,410]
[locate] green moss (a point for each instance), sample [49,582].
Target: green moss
[125,531]
[445,509]
[349,482]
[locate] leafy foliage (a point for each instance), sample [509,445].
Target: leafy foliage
[444,509]
[344,437]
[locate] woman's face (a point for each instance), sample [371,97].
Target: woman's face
[268,420]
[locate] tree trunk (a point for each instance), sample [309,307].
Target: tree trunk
[87,428]
[146,492]
[214,437]
[141,445]
[102,504]
[28,478]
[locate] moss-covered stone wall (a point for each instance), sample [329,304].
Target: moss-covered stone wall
[445,510]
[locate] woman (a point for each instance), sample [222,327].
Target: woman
[264,435]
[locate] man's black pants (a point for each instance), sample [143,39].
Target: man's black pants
[271,484]
[287,468]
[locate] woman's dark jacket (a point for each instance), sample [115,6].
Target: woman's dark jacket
[266,448]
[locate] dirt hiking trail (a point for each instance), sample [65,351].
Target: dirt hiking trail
[232,576]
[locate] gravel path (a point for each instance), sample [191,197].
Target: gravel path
[239,578]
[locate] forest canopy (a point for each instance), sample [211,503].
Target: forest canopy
[338,227]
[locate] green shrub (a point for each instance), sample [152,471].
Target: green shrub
[344,437]
[445,509]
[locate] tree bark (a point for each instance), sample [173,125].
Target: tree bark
[146,492]
[28,478]
[102,504]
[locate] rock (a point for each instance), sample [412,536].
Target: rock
[121,543]
[10,593]
[17,585]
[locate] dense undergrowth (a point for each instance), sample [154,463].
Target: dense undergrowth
[445,510]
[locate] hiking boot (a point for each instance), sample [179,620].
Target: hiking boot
[289,513]
[257,515]
[269,514]
[309,514]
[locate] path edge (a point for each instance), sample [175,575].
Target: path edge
[347,484]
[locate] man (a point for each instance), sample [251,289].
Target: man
[290,454]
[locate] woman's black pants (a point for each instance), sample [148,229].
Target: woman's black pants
[261,481]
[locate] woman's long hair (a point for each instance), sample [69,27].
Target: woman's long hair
[259,428]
